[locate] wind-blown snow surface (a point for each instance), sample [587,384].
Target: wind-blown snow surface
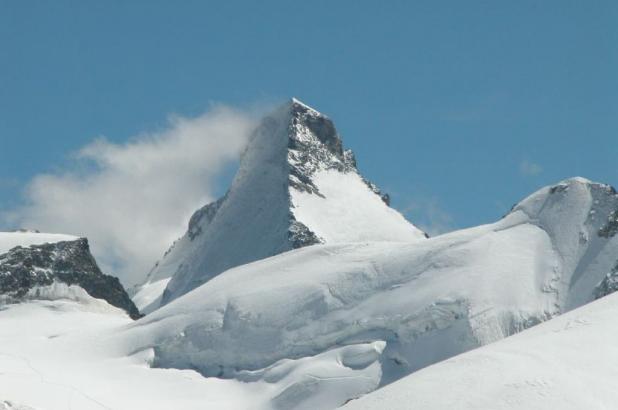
[59,354]
[296,186]
[9,240]
[427,300]
[60,350]
[568,363]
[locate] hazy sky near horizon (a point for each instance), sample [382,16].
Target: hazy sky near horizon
[458,109]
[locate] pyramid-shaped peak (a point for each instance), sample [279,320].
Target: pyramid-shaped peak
[296,186]
[309,138]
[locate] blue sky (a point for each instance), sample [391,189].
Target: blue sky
[458,109]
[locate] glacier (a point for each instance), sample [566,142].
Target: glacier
[426,300]
[362,324]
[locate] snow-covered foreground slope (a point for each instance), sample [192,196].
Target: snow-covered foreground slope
[427,300]
[296,186]
[58,354]
[60,350]
[568,363]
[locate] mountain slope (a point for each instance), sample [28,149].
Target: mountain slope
[66,355]
[296,186]
[427,300]
[58,354]
[567,363]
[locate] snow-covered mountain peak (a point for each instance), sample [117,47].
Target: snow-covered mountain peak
[581,219]
[296,186]
[576,200]
[301,138]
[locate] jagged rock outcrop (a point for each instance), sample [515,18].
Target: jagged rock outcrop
[296,186]
[24,268]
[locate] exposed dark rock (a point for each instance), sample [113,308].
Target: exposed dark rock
[307,155]
[302,182]
[558,188]
[611,226]
[300,236]
[608,285]
[70,262]
[349,159]
[313,145]
[202,216]
[321,126]
[324,129]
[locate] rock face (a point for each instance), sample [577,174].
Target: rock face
[296,186]
[69,262]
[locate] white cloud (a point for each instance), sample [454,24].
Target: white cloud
[133,199]
[529,169]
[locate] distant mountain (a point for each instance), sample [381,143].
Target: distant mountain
[31,262]
[296,186]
